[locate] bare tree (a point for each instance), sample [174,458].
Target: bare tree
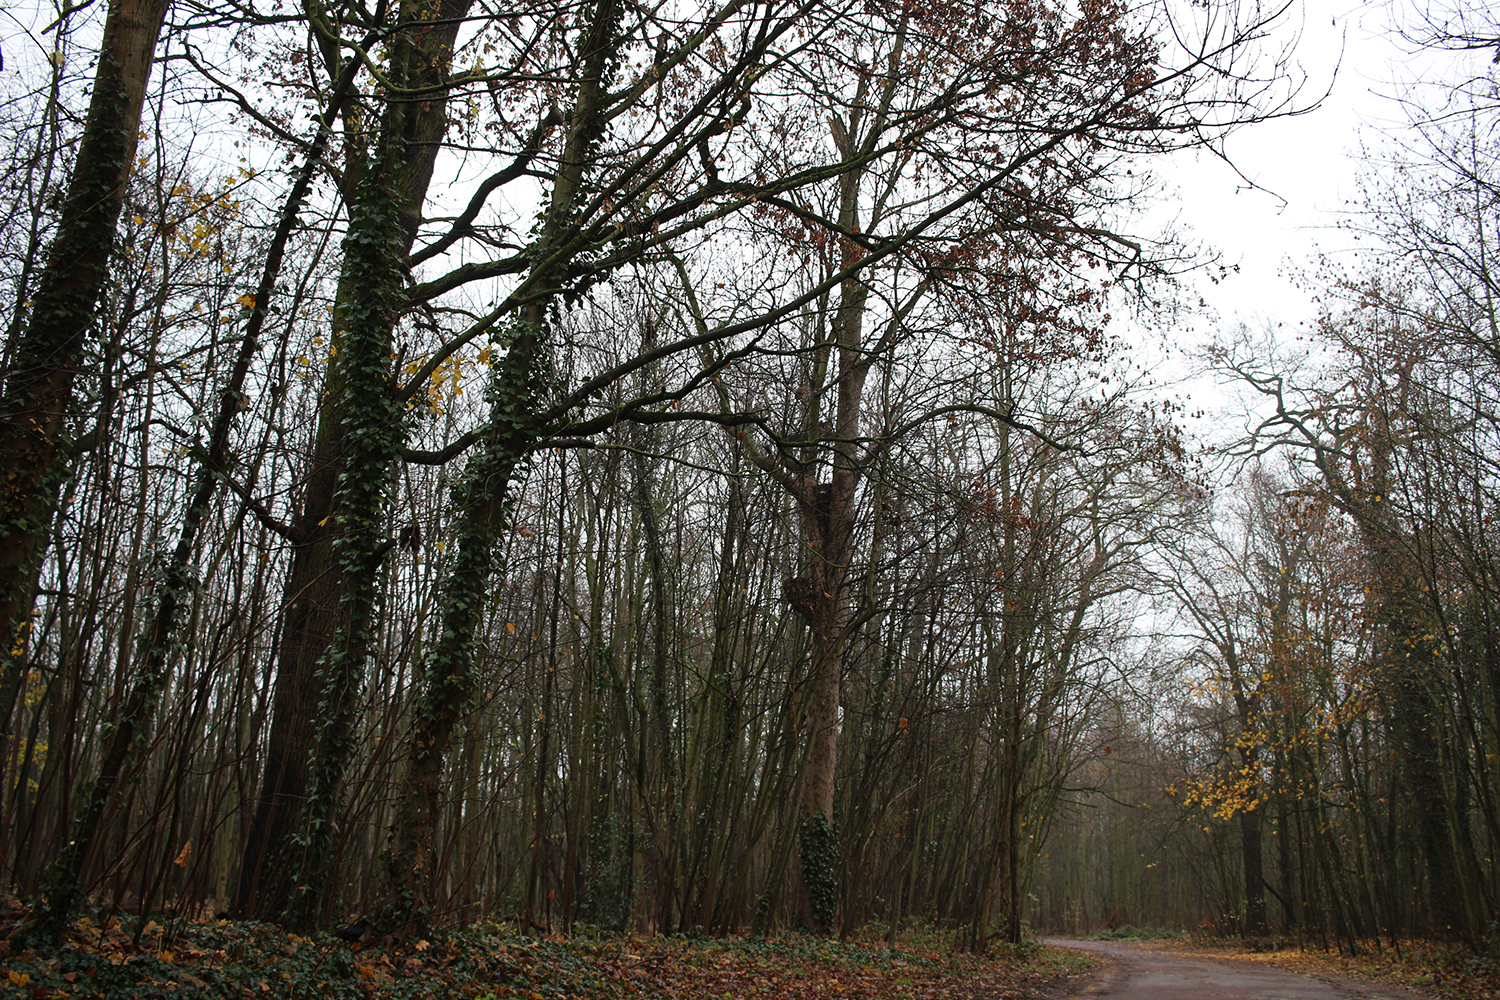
[37,406]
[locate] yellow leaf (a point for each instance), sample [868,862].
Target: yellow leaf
[324,521]
[247,300]
[484,356]
[510,626]
[20,979]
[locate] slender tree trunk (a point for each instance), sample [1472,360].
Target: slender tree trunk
[662,785]
[38,394]
[479,502]
[176,581]
[1008,857]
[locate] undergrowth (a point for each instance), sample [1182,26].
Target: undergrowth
[120,958]
[1129,932]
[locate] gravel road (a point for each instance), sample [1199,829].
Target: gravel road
[1136,972]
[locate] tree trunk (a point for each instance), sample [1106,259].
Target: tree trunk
[38,394]
[662,783]
[828,519]
[1255,924]
[479,502]
[177,580]
[314,597]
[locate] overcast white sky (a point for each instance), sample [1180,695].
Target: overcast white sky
[1310,161]
[1309,170]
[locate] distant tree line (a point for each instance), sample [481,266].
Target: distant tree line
[1327,769]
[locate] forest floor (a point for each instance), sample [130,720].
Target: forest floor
[1448,971]
[126,958]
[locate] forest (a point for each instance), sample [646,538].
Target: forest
[702,468]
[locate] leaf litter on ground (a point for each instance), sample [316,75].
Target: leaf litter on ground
[119,957]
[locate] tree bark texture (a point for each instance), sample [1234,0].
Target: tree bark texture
[828,513]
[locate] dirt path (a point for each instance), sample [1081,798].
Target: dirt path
[1136,972]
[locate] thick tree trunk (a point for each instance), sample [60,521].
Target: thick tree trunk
[818,854]
[38,393]
[177,582]
[315,612]
[828,518]
[310,619]
[1416,719]
[1410,655]
[1252,853]
[374,434]
[1290,918]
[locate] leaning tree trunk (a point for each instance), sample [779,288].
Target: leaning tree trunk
[176,582]
[38,394]
[317,609]
[479,503]
[373,435]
